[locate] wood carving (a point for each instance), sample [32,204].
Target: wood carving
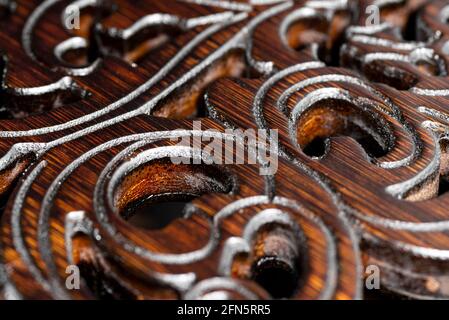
[91,117]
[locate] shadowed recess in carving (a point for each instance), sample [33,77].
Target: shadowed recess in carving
[19,103]
[277,267]
[332,117]
[133,44]
[150,33]
[83,49]
[406,51]
[400,79]
[443,186]
[9,179]
[155,194]
[403,14]
[427,63]
[188,101]
[107,281]
[410,31]
[307,28]
[7,7]
[151,194]
[272,252]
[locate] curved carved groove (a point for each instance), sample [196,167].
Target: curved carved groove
[19,103]
[328,118]
[272,252]
[91,13]
[393,76]
[431,182]
[168,185]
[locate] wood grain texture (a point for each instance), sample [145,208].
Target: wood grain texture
[90,118]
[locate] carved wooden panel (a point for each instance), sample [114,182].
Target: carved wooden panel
[92,117]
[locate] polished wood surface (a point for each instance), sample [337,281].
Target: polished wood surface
[90,117]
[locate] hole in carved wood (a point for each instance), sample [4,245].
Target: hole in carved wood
[157,212]
[16,106]
[106,280]
[83,49]
[276,276]
[395,13]
[19,103]
[410,32]
[95,271]
[155,194]
[303,33]
[405,15]
[91,14]
[188,101]
[7,7]
[136,45]
[331,117]
[400,79]
[318,30]
[443,186]
[277,266]
[444,167]
[315,148]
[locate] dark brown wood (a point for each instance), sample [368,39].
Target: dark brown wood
[361,114]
